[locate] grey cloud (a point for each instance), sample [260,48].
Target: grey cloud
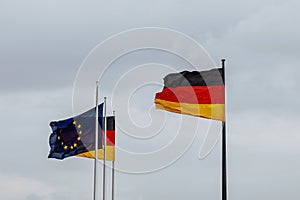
[44,44]
[262,61]
[34,197]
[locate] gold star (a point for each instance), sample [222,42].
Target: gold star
[78,138]
[79,126]
[71,147]
[80,132]
[58,137]
[65,147]
[75,145]
[62,143]
[74,122]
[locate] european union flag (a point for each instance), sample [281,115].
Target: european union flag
[75,135]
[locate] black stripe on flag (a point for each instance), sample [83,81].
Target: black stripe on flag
[195,78]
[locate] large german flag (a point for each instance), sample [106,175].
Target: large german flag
[194,93]
[110,143]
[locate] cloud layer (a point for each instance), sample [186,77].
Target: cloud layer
[44,43]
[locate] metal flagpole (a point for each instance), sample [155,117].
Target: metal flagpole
[104,151]
[224,168]
[96,148]
[113,181]
[113,168]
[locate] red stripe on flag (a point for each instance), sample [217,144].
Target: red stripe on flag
[193,94]
[110,138]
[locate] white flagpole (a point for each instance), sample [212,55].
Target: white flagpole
[96,148]
[104,151]
[113,168]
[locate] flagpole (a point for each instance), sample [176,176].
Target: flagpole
[113,170]
[104,151]
[96,148]
[224,168]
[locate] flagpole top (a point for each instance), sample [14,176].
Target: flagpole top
[223,67]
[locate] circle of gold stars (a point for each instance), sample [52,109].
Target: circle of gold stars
[74,144]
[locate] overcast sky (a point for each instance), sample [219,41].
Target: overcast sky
[44,43]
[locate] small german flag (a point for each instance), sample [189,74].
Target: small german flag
[194,93]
